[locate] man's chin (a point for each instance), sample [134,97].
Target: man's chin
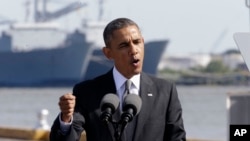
[137,71]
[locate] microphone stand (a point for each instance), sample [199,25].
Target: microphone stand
[123,126]
[118,132]
[119,129]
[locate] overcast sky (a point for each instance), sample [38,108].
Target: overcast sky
[192,26]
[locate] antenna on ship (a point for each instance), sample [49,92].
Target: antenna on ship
[27,10]
[248,6]
[44,15]
[101,7]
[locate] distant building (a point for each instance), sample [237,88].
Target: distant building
[230,58]
[184,61]
[233,59]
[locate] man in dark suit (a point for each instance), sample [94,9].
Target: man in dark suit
[160,117]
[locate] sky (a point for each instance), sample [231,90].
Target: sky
[191,26]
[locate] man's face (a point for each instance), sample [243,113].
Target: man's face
[126,49]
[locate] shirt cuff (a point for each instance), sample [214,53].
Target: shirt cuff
[65,126]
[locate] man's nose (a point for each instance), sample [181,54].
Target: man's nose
[133,49]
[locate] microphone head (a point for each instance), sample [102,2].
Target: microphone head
[110,101]
[132,101]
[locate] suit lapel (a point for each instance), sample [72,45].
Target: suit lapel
[147,97]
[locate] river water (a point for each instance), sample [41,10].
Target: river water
[204,108]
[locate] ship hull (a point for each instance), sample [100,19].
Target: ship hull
[61,66]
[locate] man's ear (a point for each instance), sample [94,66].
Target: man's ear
[106,52]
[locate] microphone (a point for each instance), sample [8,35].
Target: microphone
[108,107]
[131,107]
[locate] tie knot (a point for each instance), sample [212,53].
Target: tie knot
[128,84]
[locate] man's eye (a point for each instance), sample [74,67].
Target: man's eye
[123,45]
[137,41]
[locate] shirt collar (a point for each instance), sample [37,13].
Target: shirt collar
[120,79]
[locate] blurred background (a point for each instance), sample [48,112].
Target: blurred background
[46,46]
[193,26]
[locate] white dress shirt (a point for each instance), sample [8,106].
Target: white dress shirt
[120,84]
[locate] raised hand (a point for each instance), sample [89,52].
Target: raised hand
[67,105]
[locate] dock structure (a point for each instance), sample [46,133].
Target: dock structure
[18,134]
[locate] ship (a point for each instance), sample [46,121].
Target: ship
[41,54]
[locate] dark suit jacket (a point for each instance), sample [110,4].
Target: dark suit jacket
[160,118]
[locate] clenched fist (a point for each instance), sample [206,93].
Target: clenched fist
[67,105]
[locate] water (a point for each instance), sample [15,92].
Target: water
[204,108]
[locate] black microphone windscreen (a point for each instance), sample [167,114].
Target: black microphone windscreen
[132,101]
[110,100]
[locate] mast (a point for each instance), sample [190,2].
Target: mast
[248,6]
[101,9]
[43,15]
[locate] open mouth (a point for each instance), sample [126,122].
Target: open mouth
[135,61]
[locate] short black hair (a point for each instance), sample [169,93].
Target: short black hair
[115,25]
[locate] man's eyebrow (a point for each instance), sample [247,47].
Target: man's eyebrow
[123,42]
[138,39]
